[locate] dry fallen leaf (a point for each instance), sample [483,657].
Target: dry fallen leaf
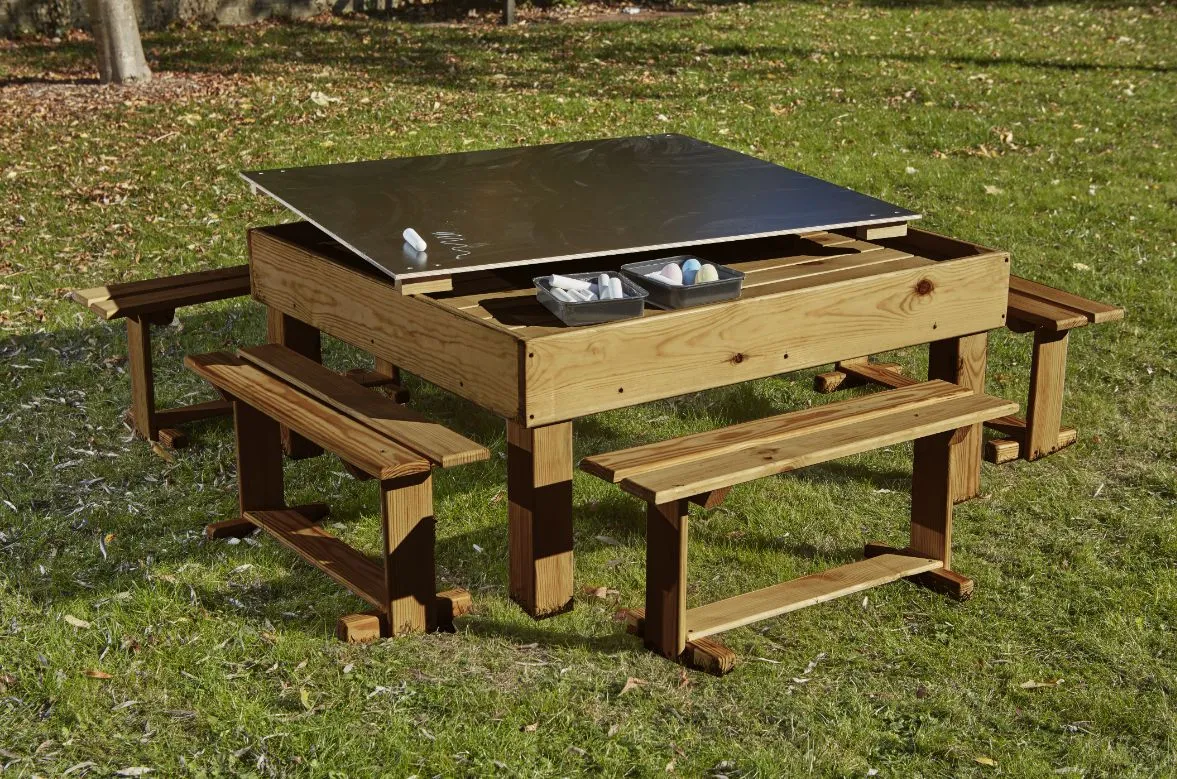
[93,674]
[136,770]
[683,679]
[304,697]
[78,623]
[164,454]
[1031,684]
[983,760]
[992,190]
[632,683]
[530,728]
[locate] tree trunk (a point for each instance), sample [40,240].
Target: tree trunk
[116,36]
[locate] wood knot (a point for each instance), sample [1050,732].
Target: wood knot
[737,358]
[924,287]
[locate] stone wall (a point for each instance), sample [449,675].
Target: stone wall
[53,17]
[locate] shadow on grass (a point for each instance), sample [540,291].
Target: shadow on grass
[480,59]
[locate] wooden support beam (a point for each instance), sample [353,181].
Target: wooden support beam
[406,508]
[239,527]
[859,372]
[932,482]
[373,625]
[802,592]
[539,495]
[878,232]
[426,285]
[962,362]
[666,578]
[704,654]
[1003,450]
[259,460]
[1044,411]
[942,580]
[710,500]
[304,339]
[142,380]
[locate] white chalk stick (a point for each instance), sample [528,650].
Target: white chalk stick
[563,294]
[564,282]
[616,292]
[414,240]
[583,295]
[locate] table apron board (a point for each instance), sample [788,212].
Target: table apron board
[574,372]
[585,371]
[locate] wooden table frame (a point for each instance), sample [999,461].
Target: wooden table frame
[808,301]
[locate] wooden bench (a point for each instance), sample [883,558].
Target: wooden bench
[271,386]
[154,302]
[702,468]
[1050,314]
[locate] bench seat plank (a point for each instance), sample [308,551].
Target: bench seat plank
[367,449]
[1041,313]
[346,565]
[133,298]
[796,594]
[625,463]
[437,443]
[807,447]
[1094,311]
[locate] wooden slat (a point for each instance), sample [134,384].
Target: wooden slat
[88,297]
[823,265]
[369,450]
[346,565]
[877,374]
[876,232]
[806,591]
[182,415]
[628,463]
[171,297]
[1093,310]
[424,286]
[409,428]
[756,461]
[1043,314]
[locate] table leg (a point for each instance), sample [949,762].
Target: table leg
[962,361]
[142,381]
[539,494]
[304,339]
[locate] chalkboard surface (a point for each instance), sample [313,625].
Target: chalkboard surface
[507,207]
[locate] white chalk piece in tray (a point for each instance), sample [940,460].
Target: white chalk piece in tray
[563,282]
[414,240]
[563,294]
[615,290]
[604,289]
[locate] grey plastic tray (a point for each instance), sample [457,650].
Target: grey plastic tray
[592,312]
[664,295]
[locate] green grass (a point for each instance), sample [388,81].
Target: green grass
[221,656]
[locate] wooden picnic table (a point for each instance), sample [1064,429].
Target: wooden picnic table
[808,300]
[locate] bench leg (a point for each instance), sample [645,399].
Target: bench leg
[1044,410]
[142,378]
[304,339]
[406,508]
[397,391]
[962,361]
[932,485]
[259,470]
[539,496]
[665,629]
